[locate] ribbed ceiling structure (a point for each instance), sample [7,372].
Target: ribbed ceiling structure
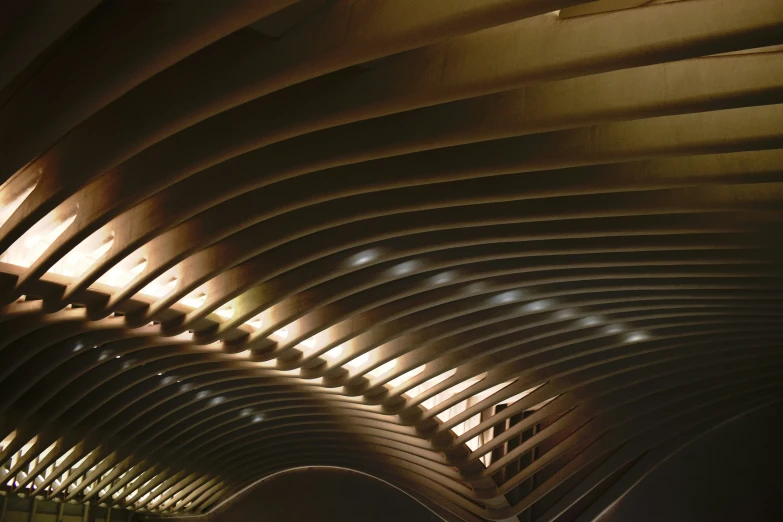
[507,255]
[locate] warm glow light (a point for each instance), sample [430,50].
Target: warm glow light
[124,272]
[537,306]
[28,248]
[405,267]
[139,267]
[334,353]
[565,313]
[98,252]
[256,322]
[386,367]
[194,300]
[6,441]
[82,257]
[614,329]
[541,404]
[590,321]
[443,278]
[450,392]
[9,207]
[281,333]
[518,396]
[476,287]
[226,312]
[406,376]
[482,438]
[29,445]
[160,287]
[426,385]
[636,337]
[462,427]
[507,297]
[358,361]
[364,257]
[64,456]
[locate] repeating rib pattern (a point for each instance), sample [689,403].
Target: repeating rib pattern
[507,255]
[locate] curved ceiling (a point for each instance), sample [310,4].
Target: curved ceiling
[506,255]
[705,482]
[333,494]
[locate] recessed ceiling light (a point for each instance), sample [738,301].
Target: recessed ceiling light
[364,257]
[636,337]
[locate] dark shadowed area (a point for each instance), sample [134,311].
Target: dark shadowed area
[322,495]
[731,474]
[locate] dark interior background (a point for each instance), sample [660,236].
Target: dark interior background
[322,495]
[731,474]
